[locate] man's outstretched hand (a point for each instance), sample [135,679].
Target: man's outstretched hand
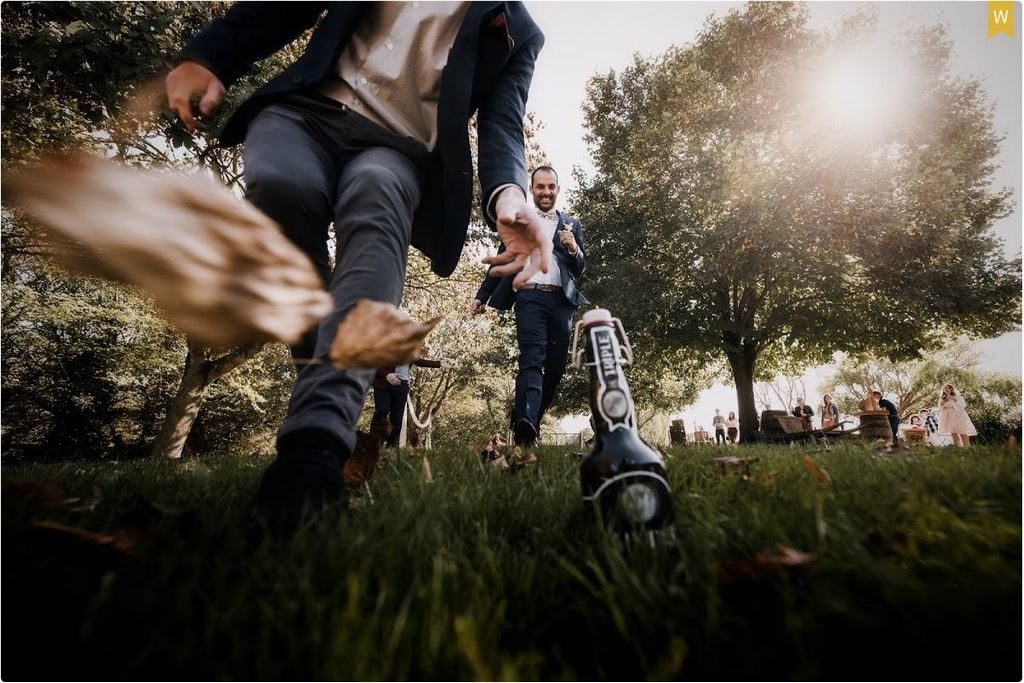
[527,249]
[188,80]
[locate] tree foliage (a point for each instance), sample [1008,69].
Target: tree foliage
[98,356]
[759,231]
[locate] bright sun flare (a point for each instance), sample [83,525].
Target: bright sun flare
[862,91]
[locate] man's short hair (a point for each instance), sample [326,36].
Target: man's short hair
[544,168]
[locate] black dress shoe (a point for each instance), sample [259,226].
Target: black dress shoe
[303,482]
[524,434]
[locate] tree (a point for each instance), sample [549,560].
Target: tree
[86,367]
[765,229]
[781,393]
[69,69]
[467,341]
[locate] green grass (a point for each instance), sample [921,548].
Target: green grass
[487,575]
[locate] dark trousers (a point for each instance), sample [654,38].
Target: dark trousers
[308,162]
[894,424]
[720,435]
[543,321]
[390,402]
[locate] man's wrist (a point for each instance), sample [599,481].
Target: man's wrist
[492,201]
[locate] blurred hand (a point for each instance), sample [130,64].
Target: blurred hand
[476,307]
[187,80]
[392,379]
[527,249]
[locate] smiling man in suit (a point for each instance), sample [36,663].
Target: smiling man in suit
[368,129]
[544,307]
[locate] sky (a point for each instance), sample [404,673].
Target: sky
[588,38]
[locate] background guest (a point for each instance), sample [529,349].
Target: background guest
[894,414]
[805,413]
[953,418]
[390,392]
[829,412]
[931,425]
[732,427]
[718,422]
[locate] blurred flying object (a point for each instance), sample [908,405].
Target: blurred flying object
[219,268]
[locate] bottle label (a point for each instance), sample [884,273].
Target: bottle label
[613,402]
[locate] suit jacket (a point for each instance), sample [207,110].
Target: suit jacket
[498,292]
[489,71]
[806,411]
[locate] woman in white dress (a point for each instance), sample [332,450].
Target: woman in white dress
[953,419]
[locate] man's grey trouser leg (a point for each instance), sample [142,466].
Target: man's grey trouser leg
[374,192]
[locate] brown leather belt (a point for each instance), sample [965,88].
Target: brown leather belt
[540,287]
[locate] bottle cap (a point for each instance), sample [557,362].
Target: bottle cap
[597,316]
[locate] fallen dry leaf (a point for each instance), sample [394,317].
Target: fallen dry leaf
[821,476]
[49,493]
[521,459]
[733,464]
[360,467]
[375,334]
[787,557]
[767,564]
[218,267]
[118,541]
[490,450]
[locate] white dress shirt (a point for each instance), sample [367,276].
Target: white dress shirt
[390,71]
[554,274]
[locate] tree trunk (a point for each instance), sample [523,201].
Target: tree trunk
[201,370]
[742,364]
[184,409]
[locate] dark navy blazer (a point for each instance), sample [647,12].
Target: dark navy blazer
[489,70]
[497,292]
